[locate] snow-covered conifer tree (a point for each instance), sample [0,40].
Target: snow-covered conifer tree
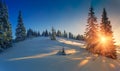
[20,30]
[91,31]
[106,33]
[59,34]
[53,35]
[65,34]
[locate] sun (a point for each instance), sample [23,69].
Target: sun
[103,40]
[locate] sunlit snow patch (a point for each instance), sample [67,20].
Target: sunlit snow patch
[71,42]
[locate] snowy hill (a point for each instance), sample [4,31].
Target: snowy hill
[39,54]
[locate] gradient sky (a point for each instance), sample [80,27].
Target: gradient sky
[69,15]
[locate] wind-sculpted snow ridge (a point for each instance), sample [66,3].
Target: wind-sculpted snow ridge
[39,54]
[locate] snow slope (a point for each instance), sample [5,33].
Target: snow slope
[39,54]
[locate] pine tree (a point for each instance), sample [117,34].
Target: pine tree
[65,34]
[91,31]
[1,35]
[50,34]
[43,33]
[71,35]
[20,30]
[39,34]
[32,34]
[29,33]
[46,33]
[5,27]
[53,35]
[59,34]
[106,31]
[79,37]
[9,36]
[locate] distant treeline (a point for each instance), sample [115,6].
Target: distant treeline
[31,34]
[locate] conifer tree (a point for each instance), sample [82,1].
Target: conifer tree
[79,37]
[71,35]
[9,36]
[50,33]
[20,30]
[106,31]
[29,33]
[5,27]
[91,31]
[65,34]
[43,33]
[46,33]
[59,34]
[53,35]
[1,36]
[38,33]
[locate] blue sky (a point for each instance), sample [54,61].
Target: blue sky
[69,15]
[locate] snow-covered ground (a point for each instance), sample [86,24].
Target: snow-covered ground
[39,54]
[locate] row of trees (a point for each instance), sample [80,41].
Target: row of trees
[64,34]
[22,34]
[32,34]
[99,37]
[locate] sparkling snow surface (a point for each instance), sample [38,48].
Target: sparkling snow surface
[39,54]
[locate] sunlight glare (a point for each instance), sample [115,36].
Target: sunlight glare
[103,40]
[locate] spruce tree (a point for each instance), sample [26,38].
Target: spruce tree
[5,27]
[20,30]
[50,33]
[53,35]
[59,34]
[71,35]
[91,31]
[9,36]
[79,37]
[38,33]
[43,33]
[106,31]
[46,33]
[29,33]
[1,35]
[65,34]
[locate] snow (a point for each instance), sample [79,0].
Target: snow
[39,54]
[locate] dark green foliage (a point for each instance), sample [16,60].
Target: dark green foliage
[65,35]
[71,35]
[46,33]
[5,27]
[79,37]
[43,33]
[20,30]
[59,34]
[53,35]
[31,33]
